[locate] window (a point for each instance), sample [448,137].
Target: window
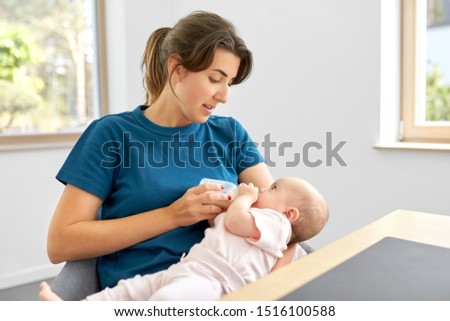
[49,69]
[425,97]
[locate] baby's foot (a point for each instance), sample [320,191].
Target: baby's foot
[46,293]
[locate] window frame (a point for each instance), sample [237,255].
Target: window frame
[31,141]
[411,130]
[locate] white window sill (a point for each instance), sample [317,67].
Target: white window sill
[36,146]
[414,146]
[38,141]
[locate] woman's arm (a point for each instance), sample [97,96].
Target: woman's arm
[288,255]
[76,234]
[259,175]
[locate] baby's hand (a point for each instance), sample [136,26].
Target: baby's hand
[248,190]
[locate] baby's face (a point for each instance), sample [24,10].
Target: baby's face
[278,195]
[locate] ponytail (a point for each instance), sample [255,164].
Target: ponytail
[153,65]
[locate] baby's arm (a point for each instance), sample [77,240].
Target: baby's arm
[238,219]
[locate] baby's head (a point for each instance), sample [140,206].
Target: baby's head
[302,204]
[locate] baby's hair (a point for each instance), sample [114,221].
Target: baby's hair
[194,40]
[314,219]
[314,214]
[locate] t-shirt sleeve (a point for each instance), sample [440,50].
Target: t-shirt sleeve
[246,153]
[275,231]
[93,162]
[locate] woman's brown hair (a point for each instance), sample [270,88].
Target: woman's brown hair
[194,39]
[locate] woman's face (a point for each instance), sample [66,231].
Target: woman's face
[199,93]
[280,194]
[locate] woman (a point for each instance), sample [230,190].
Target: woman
[125,200]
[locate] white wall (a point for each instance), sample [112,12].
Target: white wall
[317,70]
[28,194]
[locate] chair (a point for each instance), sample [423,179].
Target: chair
[77,280]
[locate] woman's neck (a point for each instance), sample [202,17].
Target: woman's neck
[166,114]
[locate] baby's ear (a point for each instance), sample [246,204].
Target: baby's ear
[292,214]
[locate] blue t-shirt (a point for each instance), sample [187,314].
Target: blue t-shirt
[134,166]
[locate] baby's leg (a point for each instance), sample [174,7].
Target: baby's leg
[46,293]
[192,288]
[138,288]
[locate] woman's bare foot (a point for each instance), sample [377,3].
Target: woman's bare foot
[46,293]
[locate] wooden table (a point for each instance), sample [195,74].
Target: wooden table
[420,227]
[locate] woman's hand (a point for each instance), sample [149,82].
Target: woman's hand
[199,203]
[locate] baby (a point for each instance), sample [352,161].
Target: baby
[242,245]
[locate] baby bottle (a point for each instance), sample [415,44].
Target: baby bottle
[228,187]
